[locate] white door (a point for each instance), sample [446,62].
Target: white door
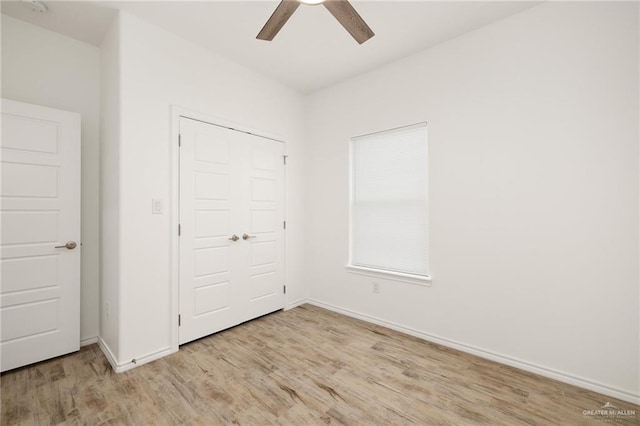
[40,214]
[231,228]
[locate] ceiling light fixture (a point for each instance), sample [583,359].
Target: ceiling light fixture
[312,2]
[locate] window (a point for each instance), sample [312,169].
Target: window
[389,209]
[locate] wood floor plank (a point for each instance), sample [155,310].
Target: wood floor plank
[306,366]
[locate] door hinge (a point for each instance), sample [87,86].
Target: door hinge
[179,139]
[179,230]
[284,157]
[179,320]
[284,289]
[284,224]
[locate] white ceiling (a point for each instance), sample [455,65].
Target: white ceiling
[84,21]
[311,52]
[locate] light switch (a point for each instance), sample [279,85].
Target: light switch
[156,206]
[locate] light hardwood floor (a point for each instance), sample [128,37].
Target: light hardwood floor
[305,366]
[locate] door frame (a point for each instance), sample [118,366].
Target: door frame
[177,112]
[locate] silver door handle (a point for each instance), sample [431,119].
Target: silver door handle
[70,245]
[246,236]
[234,237]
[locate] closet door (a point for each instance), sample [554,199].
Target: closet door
[264,252]
[231,247]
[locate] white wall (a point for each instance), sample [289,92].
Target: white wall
[157,70]
[533,157]
[45,68]
[110,191]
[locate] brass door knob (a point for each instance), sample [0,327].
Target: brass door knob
[246,236]
[234,237]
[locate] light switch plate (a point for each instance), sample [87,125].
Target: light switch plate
[156,206]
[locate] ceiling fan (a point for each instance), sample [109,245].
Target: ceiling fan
[340,9]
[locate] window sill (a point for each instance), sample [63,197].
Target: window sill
[390,275]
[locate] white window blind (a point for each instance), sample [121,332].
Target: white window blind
[389,201]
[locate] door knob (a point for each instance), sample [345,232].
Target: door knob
[234,237]
[70,245]
[246,236]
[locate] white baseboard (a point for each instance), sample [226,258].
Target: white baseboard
[136,362]
[482,353]
[88,341]
[295,304]
[107,353]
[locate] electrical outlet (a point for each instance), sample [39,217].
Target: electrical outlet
[107,309]
[375,287]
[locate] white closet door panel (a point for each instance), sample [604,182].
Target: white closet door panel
[206,221]
[265,220]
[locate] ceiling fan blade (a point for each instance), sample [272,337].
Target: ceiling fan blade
[350,19]
[277,20]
